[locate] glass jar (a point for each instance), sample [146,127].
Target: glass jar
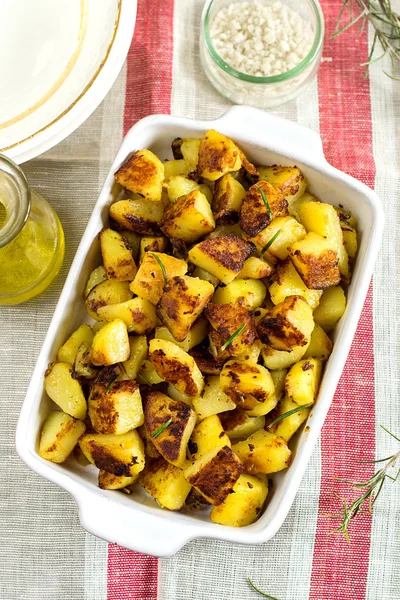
[31,238]
[262,92]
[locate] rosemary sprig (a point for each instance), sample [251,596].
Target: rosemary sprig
[260,591]
[371,488]
[160,263]
[233,336]
[288,413]
[162,428]
[267,206]
[385,23]
[108,388]
[270,242]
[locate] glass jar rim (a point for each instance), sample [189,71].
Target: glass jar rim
[18,211]
[313,53]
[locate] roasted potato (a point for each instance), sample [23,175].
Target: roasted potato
[273,242]
[148,374]
[165,483]
[287,325]
[108,481]
[138,352]
[176,366]
[248,385]
[120,455]
[140,216]
[320,344]
[244,506]
[302,381]
[207,434]
[256,214]
[350,241]
[105,293]
[196,335]
[287,282]
[288,426]
[249,293]
[217,155]
[98,275]
[190,148]
[276,360]
[117,256]
[68,351]
[238,425]
[294,206]
[316,261]
[212,400]
[331,308]
[227,199]
[255,268]
[227,320]
[222,256]
[149,448]
[289,180]
[263,452]
[61,386]
[59,435]
[110,344]
[82,364]
[150,281]
[143,174]
[188,218]
[205,276]
[152,244]
[175,168]
[138,314]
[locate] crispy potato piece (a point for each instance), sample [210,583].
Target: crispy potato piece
[138,314]
[316,261]
[207,434]
[217,155]
[222,256]
[287,282]
[247,384]
[263,452]
[138,353]
[149,281]
[254,215]
[249,293]
[320,344]
[205,276]
[148,374]
[182,302]
[176,148]
[82,364]
[180,186]
[96,276]
[245,505]
[59,435]
[238,425]
[149,448]
[175,394]
[195,336]
[176,366]
[105,293]
[117,256]
[207,363]
[285,231]
[120,455]
[64,390]
[108,481]
[195,501]
[302,381]
[189,218]
[143,174]
[171,442]
[175,168]
[331,308]
[225,320]
[212,400]
[280,359]
[114,406]
[350,241]
[227,199]
[251,354]
[68,351]
[255,268]
[287,325]
[190,148]
[140,216]
[294,207]
[165,483]
[222,230]
[152,244]
[110,344]
[278,377]
[214,474]
[289,180]
[289,425]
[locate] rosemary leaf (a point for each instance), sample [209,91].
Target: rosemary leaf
[260,591]
[108,388]
[161,429]
[270,242]
[233,336]
[289,413]
[267,206]
[164,272]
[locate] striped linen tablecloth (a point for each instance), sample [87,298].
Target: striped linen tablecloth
[44,553]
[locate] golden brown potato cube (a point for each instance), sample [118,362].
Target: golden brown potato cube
[221,230]
[149,281]
[165,483]
[143,174]
[227,319]
[182,302]
[287,282]
[255,215]
[98,275]
[207,434]
[175,168]
[61,386]
[194,337]
[60,434]
[245,505]
[249,293]
[227,199]
[190,148]
[248,385]
[138,353]
[152,244]
[222,256]
[148,374]
[278,378]
[302,381]
[214,474]
[149,448]
[176,366]
[238,425]
[110,344]
[138,215]
[170,424]
[280,359]
[212,400]
[274,241]
[331,308]
[117,256]
[205,276]
[316,261]
[289,180]
[207,363]
[287,325]
[114,406]
[138,314]
[82,364]
[217,155]
[263,452]
[288,426]
[116,454]
[108,481]
[105,293]
[350,241]
[320,344]
[189,218]
[255,268]
[251,354]
[68,351]
[180,186]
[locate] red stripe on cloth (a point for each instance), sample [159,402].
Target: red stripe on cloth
[133,576]
[340,569]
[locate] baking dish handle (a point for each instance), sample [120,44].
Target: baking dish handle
[266,129]
[135,529]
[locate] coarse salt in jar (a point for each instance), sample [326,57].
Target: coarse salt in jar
[261,53]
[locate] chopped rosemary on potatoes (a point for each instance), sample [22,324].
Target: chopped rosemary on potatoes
[233,336]
[162,428]
[164,272]
[288,413]
[270,242]
[110,384]
[265,200]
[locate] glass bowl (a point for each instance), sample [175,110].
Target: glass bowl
[262,92]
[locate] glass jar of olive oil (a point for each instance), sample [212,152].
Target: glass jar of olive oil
[31,238]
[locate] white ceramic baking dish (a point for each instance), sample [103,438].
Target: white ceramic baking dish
[136,522]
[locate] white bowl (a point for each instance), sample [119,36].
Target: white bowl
[136,522]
